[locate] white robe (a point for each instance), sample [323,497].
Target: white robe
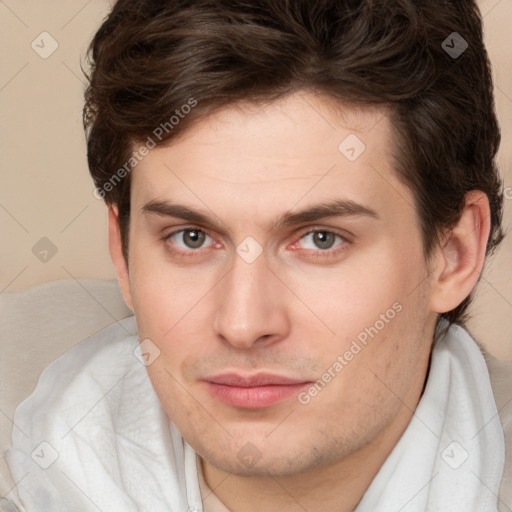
[93,435]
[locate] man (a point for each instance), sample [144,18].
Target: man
[301,199]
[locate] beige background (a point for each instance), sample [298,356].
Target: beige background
[45,189]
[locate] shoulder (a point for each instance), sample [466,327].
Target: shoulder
[90,367]
[86,373]
[79,401]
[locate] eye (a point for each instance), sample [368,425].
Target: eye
[321,240]
[188,239]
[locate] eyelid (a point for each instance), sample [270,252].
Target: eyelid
[175,231]
[346,235]
[321,253]
[347,238]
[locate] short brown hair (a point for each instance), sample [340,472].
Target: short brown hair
[150,59]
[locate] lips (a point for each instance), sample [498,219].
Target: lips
[253,391]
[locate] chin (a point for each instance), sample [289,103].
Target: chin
[258,456]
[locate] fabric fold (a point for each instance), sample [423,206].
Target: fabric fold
[451,456]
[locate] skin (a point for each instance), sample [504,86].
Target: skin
[298,306]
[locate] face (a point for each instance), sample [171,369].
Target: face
[276,264]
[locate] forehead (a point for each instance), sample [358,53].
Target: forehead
[268,159]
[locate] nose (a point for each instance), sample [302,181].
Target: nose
[251,305]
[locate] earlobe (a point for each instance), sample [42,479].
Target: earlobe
[116,253]
[460,259]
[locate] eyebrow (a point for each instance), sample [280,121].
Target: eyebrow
[336,208]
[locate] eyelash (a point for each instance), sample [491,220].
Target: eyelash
[326,253]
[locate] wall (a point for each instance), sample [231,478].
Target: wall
[46,195]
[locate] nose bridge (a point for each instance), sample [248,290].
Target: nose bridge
[249,308]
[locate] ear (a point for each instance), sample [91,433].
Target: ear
[116,253]
[460,259]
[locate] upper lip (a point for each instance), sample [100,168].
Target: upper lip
[248,381]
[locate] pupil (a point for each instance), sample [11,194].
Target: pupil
[194,239]
[324,240]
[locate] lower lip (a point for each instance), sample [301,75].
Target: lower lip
[257,397]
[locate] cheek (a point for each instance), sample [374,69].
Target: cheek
[379,314]
[190,414]
[166,297]
[352,296]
